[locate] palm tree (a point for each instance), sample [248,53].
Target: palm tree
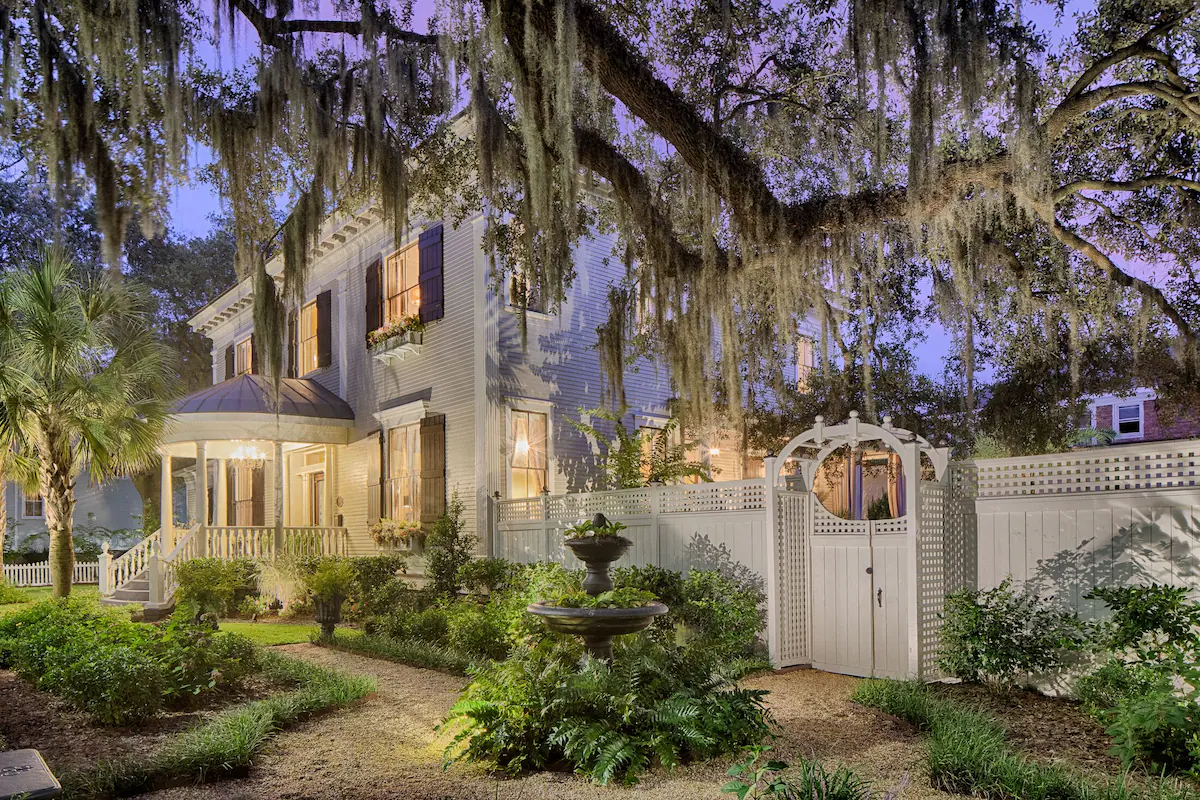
[84,383]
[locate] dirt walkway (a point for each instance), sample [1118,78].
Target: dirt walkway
[388,747]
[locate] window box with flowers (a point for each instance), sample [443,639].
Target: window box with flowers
[397,340]
[395,534]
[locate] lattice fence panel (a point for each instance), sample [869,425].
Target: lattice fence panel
[931,574]
[574,507]
[826,524]
[1129,467]
[720,496]
[792,543]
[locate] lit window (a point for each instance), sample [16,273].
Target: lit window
[654,447]
[1129,420]
[33,506]
[529,468]
[243,495]
[308,340]
[805,362]
[401,285]
[245,356]
[404,473]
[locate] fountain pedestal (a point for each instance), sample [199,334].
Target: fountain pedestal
[597,626]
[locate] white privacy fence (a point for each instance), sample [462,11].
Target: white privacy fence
[867,597]
[1064,523]
[39,574]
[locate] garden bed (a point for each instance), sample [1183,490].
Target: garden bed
[1047,728]
[70,741]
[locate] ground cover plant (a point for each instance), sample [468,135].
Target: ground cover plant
[228,743]
[652,704]
[116,670]
[967,753]
[761,777]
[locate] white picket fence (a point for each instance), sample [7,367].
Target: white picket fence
[39,574]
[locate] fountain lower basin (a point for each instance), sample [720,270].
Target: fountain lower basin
[597,626]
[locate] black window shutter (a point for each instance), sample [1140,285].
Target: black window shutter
[433,468]
[230,367]
[430,274]
[254,354]
[374,296]
[375,480]
[292,349]
[324,329]
[258,495]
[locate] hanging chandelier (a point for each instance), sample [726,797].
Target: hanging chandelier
[247,454]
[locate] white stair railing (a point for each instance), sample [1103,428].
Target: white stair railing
[127,566]
[187,548]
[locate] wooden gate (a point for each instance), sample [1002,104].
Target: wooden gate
[859,595]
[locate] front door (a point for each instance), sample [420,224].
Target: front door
[316,498]
[859,601]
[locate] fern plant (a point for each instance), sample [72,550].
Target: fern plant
[651,704]
[639,458]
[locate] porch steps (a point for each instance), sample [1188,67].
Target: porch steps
[136,591]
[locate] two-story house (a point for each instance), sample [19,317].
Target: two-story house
[370,424]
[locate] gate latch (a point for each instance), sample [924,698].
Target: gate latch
[879,597]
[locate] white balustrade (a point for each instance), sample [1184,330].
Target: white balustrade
[132,562]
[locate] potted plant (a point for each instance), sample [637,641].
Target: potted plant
[597,543]
[394,533]
[330,585]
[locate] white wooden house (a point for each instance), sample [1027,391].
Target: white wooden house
[392,428]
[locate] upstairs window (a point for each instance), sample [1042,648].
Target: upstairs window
[522,291]
[805,362]
[309,351]
[1129,420]
[245,357]
[402,285]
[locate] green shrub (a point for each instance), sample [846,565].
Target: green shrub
[481,576]
[10,594]
[997,635]
[1138,610]
[448,548]
[118,671]
[1106,687]
[368,597]
[1158,729]
[211,585]
[476,630]
[407,651]
[609,720]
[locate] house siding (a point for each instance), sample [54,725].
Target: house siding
[115,505]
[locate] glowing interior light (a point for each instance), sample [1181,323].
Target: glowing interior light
[522,447]
[714,451]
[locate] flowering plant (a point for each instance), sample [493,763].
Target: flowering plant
[409,324]
[588,529]
[393,532]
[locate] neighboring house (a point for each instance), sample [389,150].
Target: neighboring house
[1140,418]
[393,428]
[106,509]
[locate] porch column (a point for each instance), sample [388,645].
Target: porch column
[279,498]
[201,504]
[327,516]
[221,499]
[166,499]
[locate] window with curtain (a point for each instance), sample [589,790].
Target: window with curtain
[401,284]
[404,472]
[243,495]
[805,362]
[529,468]
[244,362]
[33,506]
[307,359]
[521,290]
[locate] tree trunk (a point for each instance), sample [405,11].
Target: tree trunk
[59,498]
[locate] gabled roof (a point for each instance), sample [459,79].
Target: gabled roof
[251,394]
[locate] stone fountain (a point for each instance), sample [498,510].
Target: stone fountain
[597,626]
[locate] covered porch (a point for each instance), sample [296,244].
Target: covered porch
[263,476]
[261,480]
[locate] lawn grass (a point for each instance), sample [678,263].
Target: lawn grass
[227,743]
[36,594]
[968,753]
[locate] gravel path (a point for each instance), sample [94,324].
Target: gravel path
[388,746]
